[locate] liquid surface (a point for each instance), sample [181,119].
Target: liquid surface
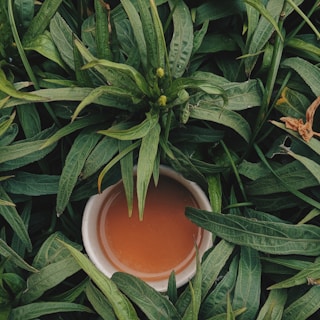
[165,239]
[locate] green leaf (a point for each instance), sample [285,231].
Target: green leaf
[126,164]
[120,304]
[153,304]
[24,9]
[102,153]
[293,174]
[217,10]
[147,156]
[172,291]
[52,250]
[136,132]
[215,302]
[8,88]
[5,123]
[99,302]
[311,271]
[292,104]
[266,26]
[103,28]
[313,144]
[265,236]
[217,42]
[115,160]
[211,268]
[25,151]
[11,215]
[32,184]
[72,127]
[137,28]
[150,35]
[37,309]
[63,38]
[40,22]
[8,252]
[49,277]
[29,119]
[274,306]
[231,119]
[181,44]
[192,312]
[19,150]
[307,71]
[248,286]
[80,150]
[304,48]
[111,97]
[303,307]
[56,94]
[122,69]
[44,45]
[311,165]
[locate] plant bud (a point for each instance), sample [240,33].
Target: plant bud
[160,73]
[162,100]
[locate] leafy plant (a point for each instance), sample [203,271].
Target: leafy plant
[219,91]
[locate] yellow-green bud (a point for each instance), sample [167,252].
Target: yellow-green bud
[160,73]
[162,101]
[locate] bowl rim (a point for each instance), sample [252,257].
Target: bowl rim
[95,253]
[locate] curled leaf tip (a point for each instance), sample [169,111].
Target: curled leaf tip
[304,128]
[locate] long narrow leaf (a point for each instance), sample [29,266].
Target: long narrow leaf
[274,306]
[181,44]
[307,71]
[147,156]
[136,132]
[49,277]
[303,307]
[11,215]
[154,305]
[136,24]
[120,304]
[248,288]
[265,236]
[37,309]
[40,22]
[7,252]
[231,119]
[80,150]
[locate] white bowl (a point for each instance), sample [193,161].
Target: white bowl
[97,256]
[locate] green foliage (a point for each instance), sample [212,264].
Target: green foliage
[88,89]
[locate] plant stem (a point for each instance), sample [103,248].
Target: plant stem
[305,18]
